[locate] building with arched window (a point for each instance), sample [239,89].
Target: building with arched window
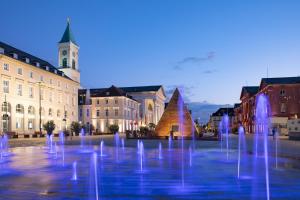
[33,90]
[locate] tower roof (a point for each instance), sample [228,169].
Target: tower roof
[68,36]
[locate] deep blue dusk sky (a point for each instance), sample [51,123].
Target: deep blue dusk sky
[211,48]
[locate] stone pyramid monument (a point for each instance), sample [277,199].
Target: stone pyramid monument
[175,118]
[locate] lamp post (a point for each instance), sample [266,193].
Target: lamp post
[40,107]
[6,114]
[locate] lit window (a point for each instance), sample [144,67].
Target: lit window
[31,92]
[5,86]
[20,71]
[31,110]
[20,108]
[50,112]
[283,107]
[19,90]
[6,66]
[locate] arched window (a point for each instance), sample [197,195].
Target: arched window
[58,113]
[150,108]
[31,110]
[65,62]
[73,64]
[50,112]
[20,109]
[5,107]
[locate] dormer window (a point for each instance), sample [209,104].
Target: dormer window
[37,64]
[47,68]
[1,50]
[55,71]
[14,55]
[62,74]
[107,93]
[27,60]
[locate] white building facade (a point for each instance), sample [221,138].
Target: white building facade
[33,91]
[136,107]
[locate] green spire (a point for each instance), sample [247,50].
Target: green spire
[68,36]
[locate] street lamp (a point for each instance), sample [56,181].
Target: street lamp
[40,106]
[5,116]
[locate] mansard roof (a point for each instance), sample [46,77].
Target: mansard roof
[222,111]
[280,80]
[30,59]
[252,90]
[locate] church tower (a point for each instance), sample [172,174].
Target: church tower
[68,54]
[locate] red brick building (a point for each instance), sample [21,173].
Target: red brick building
[247,107]
[284,97]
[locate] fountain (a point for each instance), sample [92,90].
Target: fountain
[159,151]
[117,141]
[262,113]
[94,190]
[74,176]
[101,148]
[191,156]
[123,144]
[225,128]
[82,141]
[51,150]
[181,129]
[62,146]
[138,146]
[141,154]
[276,149]
[170,144]
[242,141]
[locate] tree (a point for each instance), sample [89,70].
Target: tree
[114,128]
[75,128]
[49,127]
[152,126]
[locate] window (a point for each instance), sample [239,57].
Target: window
[41,78]
[30,124]
[116,101]
[98,113]
[58,113]
[98,101]
[31,110]
[20,71]
[282,92]
[31,74]
[73,64]
[5,86]
[80,113]
[106,101]
[283,107]
[42,94]
[31,92]
[64,62]
[50,112]
[87,112]
[19,89]
[116,112]
[5,107]
[50,96]
[66,114]
[58,83]
[106,112]
[50,81]
[6,66]
[20,108]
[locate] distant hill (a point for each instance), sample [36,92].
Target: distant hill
[203,110]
